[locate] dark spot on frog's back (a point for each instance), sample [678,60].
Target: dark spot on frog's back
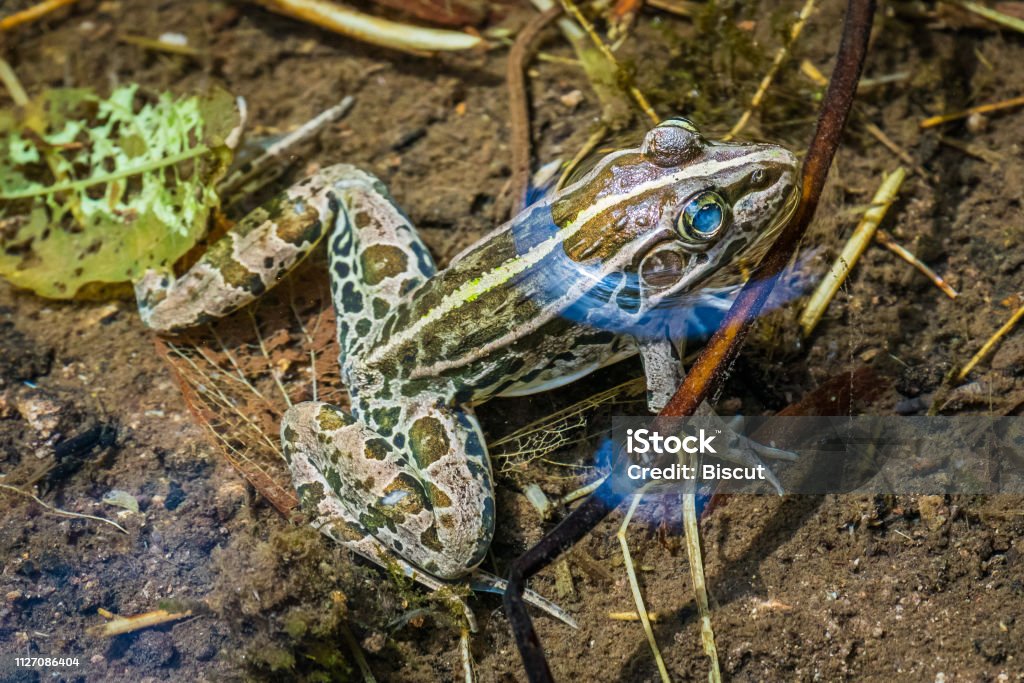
[381,261]
[428,441]
[376,449]
[430,540]
[423,259]
[380,307]
[310,497]
[330,418]
[351,300]
[412,500]
[437,497]
[385,419]
[298,227]
[361,219]
[237,275]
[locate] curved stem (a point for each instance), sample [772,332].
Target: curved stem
[710,369]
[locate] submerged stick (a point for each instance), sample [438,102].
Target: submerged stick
[518,103]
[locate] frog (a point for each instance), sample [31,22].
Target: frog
[614,264]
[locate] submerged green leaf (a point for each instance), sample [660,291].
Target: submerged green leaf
[98,190]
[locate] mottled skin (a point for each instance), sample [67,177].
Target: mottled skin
[603,269]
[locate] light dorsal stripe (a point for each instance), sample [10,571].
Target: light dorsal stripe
[501,274]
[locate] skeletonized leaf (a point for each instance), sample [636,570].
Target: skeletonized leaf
[97,190]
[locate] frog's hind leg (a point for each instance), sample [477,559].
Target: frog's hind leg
[237,268]
[377,259]
[425,494]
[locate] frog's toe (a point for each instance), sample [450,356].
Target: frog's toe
[749,453]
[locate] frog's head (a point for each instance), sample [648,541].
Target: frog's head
[677,215]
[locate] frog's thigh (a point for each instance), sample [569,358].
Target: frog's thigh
[377,259]
[237,268]
[430,503]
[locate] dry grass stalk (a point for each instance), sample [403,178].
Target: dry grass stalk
[991,343]
[780,56]
[855,246]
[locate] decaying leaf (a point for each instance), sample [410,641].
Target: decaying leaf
[96,190]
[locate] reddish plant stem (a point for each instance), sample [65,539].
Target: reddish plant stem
[711,368]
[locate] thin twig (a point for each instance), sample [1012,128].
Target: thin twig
[883,238]
[276,151]
[57,511]
[700,590]
[903,155]
[519,106]
[32,13]
[976,151]
[634,92]
[357,653]
[991,343]
[633,616]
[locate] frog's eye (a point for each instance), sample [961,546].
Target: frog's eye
[702,218]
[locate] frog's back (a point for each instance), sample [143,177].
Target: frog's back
[496,295]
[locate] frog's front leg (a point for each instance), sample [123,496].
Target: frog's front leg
[663,369]
[664,373]
[429,502]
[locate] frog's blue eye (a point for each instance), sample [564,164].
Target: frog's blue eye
[702,218]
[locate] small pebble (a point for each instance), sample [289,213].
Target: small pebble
[910,406]
[571,99]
